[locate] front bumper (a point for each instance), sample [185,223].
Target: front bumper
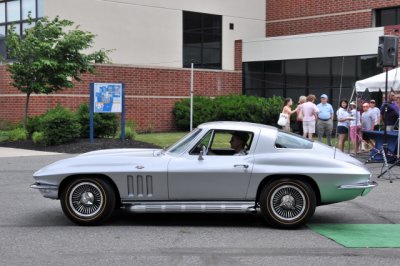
[366,187]
[47,190]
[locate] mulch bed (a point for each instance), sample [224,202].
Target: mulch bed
[79,145]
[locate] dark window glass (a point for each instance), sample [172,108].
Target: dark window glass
[334,76]
[319,72]
[202,40]
[387,16]
[10,14]
[367,67]
[295,94]
[296,73]
[254,78]
[274,76]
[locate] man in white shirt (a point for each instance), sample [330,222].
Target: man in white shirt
[376,112]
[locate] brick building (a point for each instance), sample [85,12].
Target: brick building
[259,47]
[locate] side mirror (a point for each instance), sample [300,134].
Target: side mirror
[203,152]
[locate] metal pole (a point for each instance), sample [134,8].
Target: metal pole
[191,97]
[385,144]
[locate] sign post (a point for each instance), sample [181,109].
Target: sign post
[107,98]
[191,96]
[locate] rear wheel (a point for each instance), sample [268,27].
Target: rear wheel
[88,201]
[287,203]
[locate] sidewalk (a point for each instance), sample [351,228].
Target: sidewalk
[12,152]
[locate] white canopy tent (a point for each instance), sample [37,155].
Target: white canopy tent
[377,82]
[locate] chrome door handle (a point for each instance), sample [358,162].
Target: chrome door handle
[241,165]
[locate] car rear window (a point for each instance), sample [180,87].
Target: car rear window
[292,141]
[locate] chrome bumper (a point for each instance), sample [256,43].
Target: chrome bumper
[47,190]
[365,186]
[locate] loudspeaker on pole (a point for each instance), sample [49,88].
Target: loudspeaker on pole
[387,51]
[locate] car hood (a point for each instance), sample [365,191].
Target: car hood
[123,152]
[114,160]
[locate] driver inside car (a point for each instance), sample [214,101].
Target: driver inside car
[238,142]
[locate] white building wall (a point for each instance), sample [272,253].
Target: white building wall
[149,32]
[316,45]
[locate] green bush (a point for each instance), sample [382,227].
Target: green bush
[130,132]
[228,108]
[37,137]
[203,110]
[105,124]
[59,125]
[33,124]
[17,134]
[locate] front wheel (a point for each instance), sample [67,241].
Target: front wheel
[287,203]
[88,201]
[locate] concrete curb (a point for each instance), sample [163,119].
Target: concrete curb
[12,152]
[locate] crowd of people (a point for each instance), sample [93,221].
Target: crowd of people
[352,119]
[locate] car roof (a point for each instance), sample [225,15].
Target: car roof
[233,125]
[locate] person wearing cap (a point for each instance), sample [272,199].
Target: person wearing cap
[325,119]
[239,141]
[355,127]
[367,124]
[376,113]
[392,115]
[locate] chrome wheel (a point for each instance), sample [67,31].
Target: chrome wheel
[287,202]
[86,199]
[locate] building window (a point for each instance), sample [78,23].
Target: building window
[15,12]
[387,16]
[293,78]
[202,40]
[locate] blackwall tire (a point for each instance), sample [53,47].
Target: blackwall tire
[287,203]
[88,201]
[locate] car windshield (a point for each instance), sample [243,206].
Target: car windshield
[292,141]
[184,142]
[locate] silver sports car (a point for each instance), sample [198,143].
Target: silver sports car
[218,167]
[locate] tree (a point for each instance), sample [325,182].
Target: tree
[50,56]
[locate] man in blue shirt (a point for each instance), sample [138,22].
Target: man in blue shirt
[325,119]
[392,114]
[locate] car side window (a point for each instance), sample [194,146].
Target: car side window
[205,141]
[287,140]
[220,142]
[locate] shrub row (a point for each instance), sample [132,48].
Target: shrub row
[60,125]
[228,108]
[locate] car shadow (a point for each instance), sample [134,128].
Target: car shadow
[126,218]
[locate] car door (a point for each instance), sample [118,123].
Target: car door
[218,175]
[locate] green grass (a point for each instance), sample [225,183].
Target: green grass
[161,139]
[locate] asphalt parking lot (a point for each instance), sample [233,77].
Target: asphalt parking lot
[34,231]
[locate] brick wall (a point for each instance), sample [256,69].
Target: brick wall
[238,55]
[150,92]
[290,17]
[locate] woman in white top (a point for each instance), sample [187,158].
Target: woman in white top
[343,117]
[355,127]
[288,111]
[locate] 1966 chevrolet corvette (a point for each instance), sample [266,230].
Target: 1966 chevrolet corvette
[282,175]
